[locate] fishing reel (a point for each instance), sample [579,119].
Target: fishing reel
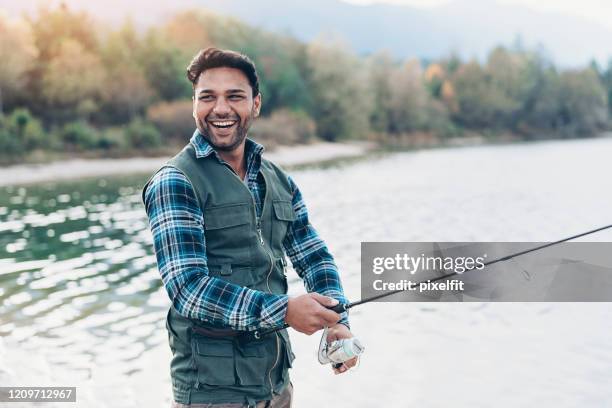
[338,351]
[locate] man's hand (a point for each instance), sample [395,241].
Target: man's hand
[337,332]
[308,313]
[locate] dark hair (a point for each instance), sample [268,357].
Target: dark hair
[214,58]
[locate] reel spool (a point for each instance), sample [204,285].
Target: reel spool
[338,351]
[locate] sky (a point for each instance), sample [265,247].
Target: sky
[595,10]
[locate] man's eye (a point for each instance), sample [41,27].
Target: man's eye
[206,98]
[235,97]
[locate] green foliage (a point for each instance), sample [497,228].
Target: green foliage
[342,104]
[606,78]
[67,76]
[128,93]
[93,85]
[142,134]
[26,128]
[583,102]
[380,67]
[20,132]
[9,143]
[164,67]
[72,77]
[113,138]
[79,135]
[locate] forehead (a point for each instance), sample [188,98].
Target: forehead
[222,79]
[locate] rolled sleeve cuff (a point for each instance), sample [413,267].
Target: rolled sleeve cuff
[274,310]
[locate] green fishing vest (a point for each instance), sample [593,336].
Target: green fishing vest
[244,250]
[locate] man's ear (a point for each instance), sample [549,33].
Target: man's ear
[257,104]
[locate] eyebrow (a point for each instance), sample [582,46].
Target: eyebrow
[228,91]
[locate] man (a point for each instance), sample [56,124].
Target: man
[223,218]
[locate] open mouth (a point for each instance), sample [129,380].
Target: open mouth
[222,124]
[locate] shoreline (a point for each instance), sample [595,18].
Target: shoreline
[293,156]
[74,169]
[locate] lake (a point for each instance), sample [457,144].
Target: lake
[81,302]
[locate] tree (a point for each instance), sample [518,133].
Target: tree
[584,104]
[189,31]
[52,27]
[380,69]
[72,81]
[409,99]
[341,101]
[512,79]
[127,93]
[607,81]
[19,55]
[164,66]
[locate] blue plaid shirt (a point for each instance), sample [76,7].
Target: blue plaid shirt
[177,224]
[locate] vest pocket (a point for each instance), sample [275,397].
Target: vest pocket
[289,356]
[251,364]
[214,359]
[229,232]
[283,216]
[243,276]
[225,216]
[283,210]
[227,362]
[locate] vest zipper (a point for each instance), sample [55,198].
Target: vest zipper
[259,230]
[261,240]
[274,365]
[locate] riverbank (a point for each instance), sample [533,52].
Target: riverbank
[286,156]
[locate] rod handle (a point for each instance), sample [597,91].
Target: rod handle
[339,308]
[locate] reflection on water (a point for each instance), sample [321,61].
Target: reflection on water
[78,279]
[79,289]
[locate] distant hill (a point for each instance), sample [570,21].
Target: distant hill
[467,27]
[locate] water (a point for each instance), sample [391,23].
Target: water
[82,303]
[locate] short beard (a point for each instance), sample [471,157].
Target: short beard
[241,134]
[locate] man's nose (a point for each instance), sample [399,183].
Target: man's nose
[221,107]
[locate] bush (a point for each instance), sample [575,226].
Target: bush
[142,134]
[26,128]
[79,135]
[10,144]
[113,138]
[284,127]
[20,132]
[173,119]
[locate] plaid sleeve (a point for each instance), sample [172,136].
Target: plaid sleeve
[176,221]
[309,255]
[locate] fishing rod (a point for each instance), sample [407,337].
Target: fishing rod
[343,307]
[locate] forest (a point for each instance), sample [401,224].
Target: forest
[72,85]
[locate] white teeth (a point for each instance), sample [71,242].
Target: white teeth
[225,123]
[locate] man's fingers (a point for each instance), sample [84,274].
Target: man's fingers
[332,337]
[347,365]
[330,317]
[340,369]
[351,363]
[324,300]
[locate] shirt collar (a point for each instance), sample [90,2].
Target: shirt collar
[253,150]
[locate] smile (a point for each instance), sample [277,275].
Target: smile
[222,124]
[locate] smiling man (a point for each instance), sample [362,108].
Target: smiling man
[223,219]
